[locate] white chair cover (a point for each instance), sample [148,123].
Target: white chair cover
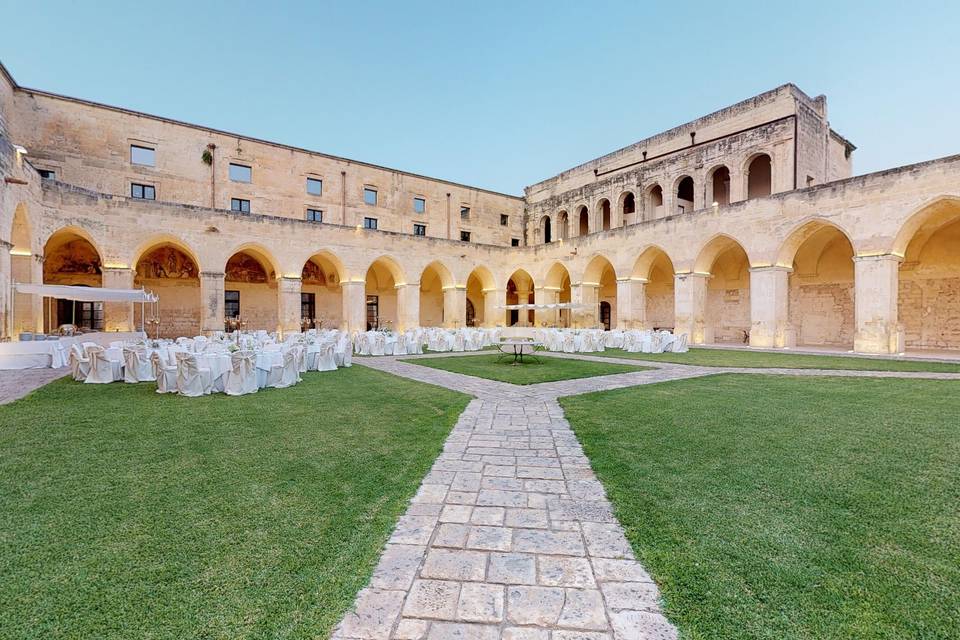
[164,373]
[192,381]
[102,370]
[326,361]
[136,367]
[79,363]
[242,377]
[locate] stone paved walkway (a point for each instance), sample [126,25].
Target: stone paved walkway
[510,534]
[16,384]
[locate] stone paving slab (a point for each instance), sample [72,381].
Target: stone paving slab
[16,384]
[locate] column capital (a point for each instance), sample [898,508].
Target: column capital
[878,258]
[683,275]
[770,268]
[116,269]
[212,275]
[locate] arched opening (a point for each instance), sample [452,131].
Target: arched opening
[684,202]
[481,298]
[606,315]
[656,270]
[605,214]
[383,307]
[520,291]
[584,221]
[720,185]
[563,225]
[821,286]
[599,285]
[545,230]
[628,208]
[170,271]
[557,289]
[654,205]
[929,279]
[727,305]
[250,291]
[759,177]
[23,268]
[321,294]
[433,281]
[69,258]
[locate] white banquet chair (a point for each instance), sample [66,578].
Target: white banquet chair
[164,373]
[242,377]
[192,381]
[136,366]
[79,363]
[680,345]
[102,370]
[286,374]
[326,360]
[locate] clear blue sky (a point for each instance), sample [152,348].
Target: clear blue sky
[498,94]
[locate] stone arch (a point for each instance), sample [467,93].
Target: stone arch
[683,192]
[727,302]
[384,277]
[520,290]
[718,185]
[436,283]
[546,233]
[758,173]
[583,220]
[481,294]
[821,284]
[167,266]
[321,291]
[627,205]
[929,276]
[250,286]
[599,285]
[654,269]
[70,257]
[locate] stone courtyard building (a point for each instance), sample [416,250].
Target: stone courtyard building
[743,225]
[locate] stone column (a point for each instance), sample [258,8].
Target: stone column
[354,299]
[876,282]
[117,316]
[738,185]
[408,306]
[6,313]
[689,303]
[769,307]
[546,295]
[455,306]
[211,302]
[588,315]
[631,303]
[492,315]
[288,304]
[523,316]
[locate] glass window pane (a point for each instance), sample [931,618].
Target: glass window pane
[315,186]
[136,190]
[419,205]
[142,155]
[370,195]
[240,173]
[149,193]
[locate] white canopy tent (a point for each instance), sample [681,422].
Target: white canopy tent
[83,294]
[553,305]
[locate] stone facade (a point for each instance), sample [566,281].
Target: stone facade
[742,225]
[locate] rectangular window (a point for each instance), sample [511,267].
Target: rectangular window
[142,155]
[315,186]
[314,215]
[464,213]
[369,223]
[240,206]
[47,174]
[504,219]
[142,191]
[240,173]
[419,229]
[373,312]
[464,236]
[419,205]
[231,304]
[308,307]
[370,195]
[514,242]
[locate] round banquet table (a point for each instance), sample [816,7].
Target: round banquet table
[514,348]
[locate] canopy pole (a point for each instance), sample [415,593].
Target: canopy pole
[10,321]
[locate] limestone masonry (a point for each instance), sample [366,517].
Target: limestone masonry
[744,225]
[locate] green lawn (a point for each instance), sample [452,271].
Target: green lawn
[128,514]
[548,370]
[764,359]
[783,507]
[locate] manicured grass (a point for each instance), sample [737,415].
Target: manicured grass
[128,514]
[548,370]
[764,359]
[785,507]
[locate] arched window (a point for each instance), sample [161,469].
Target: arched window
[654,202]
[547,233]
[759,177]
[605,215]
[685,195]
[584,221]
[720,185]
[629,206]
